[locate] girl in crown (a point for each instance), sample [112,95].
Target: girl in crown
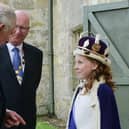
[93,105]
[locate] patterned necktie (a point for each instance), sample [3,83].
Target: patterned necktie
[17,65]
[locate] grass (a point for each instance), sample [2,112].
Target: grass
[44,125]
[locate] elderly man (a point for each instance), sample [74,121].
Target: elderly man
[7,24]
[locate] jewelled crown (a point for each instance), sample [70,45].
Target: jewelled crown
[94,48]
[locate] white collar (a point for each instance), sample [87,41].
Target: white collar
[11,46]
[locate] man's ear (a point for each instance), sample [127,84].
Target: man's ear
[1,26]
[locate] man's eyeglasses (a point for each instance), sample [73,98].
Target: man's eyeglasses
[22,28]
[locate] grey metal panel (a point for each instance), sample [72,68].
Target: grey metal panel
[102,7]
[122,96]
[111,6]
[115,53]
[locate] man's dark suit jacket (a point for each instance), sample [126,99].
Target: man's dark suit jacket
[22,98]
[2,105]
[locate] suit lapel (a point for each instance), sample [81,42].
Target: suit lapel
[27,58]
[6,62]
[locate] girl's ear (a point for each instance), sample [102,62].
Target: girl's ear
[95,65]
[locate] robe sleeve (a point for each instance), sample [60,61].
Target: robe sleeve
[109,118]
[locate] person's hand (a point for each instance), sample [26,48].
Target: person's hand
[13,119]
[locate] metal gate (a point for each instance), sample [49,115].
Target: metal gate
[112,22]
